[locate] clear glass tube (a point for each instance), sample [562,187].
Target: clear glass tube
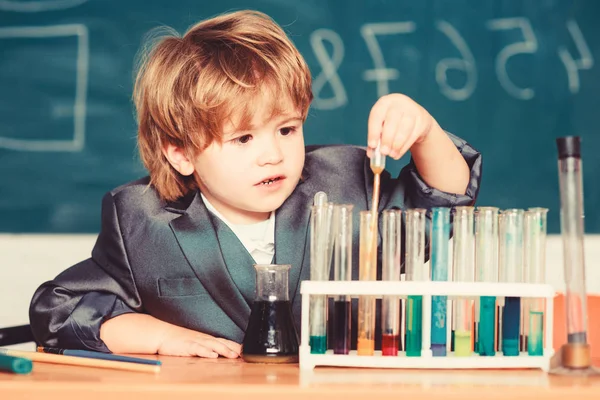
[439,258]
[570,175]
[391,259]
[464,271]
[415,271]
[342,261]
[511,271]
[535,272]
[486,270]
[367,272]
[321,234]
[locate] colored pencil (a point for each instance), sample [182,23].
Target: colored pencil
[80,361]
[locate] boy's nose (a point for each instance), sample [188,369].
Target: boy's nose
[271,153]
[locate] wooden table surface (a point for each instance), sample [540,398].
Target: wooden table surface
[195,378]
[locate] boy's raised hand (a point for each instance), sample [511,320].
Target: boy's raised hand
[180,341]
[399,122]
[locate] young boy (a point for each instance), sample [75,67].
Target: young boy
[220,113]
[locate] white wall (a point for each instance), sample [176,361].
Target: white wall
[28,260]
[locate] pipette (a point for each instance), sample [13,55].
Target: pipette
[368,259]
[440,246]
[391,259]
[377,166]
[576,353]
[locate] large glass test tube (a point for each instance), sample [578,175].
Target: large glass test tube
[571,221]
[367,272]
[464,271]
[535,272]
[320,263]
[440,252]
[511,271]
[415,267]
[342,261]
[391,259]
[486,265]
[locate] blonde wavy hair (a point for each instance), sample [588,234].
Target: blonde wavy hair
[187,87]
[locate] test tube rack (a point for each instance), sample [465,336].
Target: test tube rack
[402,289]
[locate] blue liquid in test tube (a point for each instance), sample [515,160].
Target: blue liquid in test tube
[440,237]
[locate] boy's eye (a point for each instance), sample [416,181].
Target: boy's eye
[243,139]
[287,130]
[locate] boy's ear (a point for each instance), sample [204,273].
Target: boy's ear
[178,159]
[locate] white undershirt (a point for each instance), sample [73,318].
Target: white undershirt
[258,238]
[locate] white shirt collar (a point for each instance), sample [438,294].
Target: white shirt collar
[258,237]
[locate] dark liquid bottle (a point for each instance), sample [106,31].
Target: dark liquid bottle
[271,336]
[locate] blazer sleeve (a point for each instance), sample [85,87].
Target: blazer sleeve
[420,195]
[68,311]
[409,190]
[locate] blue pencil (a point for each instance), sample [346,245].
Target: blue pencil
[97,355]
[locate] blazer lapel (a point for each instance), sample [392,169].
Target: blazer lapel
[238,261]
[196,236]
[291,230]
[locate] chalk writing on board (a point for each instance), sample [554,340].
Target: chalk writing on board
[329,67]
[382,73]
[465,64]
[77,141]
[573,66]
[38,6]
[529,45]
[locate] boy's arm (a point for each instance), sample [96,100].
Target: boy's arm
[144,334]
[399,124]
[98,299]
[439,162]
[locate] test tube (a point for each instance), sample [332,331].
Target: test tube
[486,266]
[415,267]
[570,172]
[320,262]
[439,253]
[511,271]
[342,261]
[535,272]
[464,271]
[367,272]
[391,259]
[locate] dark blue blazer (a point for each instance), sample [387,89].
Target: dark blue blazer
[181,264]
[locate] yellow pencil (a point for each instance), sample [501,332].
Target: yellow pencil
[83,362]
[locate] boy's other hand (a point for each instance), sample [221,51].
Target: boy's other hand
[178,341]
[399,122]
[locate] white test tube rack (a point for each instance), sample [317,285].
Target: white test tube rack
[402,289]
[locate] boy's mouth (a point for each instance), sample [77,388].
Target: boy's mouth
[270,180]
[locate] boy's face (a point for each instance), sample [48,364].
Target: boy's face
[251,173]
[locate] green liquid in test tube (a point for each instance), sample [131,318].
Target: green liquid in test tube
[535,272]
[321,248]
[464,271]
[415,271]
[486,263]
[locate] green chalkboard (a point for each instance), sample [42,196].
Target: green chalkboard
[507,75]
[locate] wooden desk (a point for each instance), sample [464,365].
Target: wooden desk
[199,379]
